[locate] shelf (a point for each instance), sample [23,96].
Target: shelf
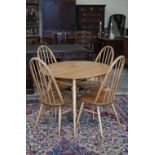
[32,2]
[31,35]
[32,25]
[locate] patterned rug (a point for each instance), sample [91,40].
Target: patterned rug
[45,141]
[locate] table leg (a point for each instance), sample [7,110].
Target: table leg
[74,106]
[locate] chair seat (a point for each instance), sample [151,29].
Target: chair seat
[62,86]
[64,82]
[67,82]
[90,97]
[89,85]
[67,97]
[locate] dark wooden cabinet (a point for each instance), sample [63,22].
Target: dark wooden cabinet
[126,49]
[89,17]
[51,15]
[32,22]
[119,44]
[68,15]
[58,15]
[29,81]
[32,17]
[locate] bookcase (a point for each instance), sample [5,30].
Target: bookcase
[32,18]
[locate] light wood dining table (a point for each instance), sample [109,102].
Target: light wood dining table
[76,70]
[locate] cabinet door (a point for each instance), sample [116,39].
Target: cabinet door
[68,15]
[51,15]
[58,15]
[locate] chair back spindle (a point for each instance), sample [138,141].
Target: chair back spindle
[45,54]
[106,55]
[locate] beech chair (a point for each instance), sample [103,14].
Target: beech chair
[105,95]
[48,90]
[106,56]
[46,54]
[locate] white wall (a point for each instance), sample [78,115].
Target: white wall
[112,7]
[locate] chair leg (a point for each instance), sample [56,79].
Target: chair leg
[108,110]
[39,114]
[55,113]
[77,94]
[42,113]
[80,112]
[93,111]
[77,90]
[99,118]
[116,114]
[59,121]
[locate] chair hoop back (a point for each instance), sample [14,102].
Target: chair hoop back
[44,81]
[109,85]
[106,55]
[45,54]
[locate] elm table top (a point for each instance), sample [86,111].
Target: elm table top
[78,69]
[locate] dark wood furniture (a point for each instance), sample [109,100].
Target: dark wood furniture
[62,52]
[119,44]
[83,38]
[126,49]
[89,17]
[65,52]
[58,15]
[53,38]
[32,17]
[29,81]
[33,39]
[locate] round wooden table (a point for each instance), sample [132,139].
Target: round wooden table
[75,70]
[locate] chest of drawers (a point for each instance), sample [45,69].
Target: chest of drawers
[89,17]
